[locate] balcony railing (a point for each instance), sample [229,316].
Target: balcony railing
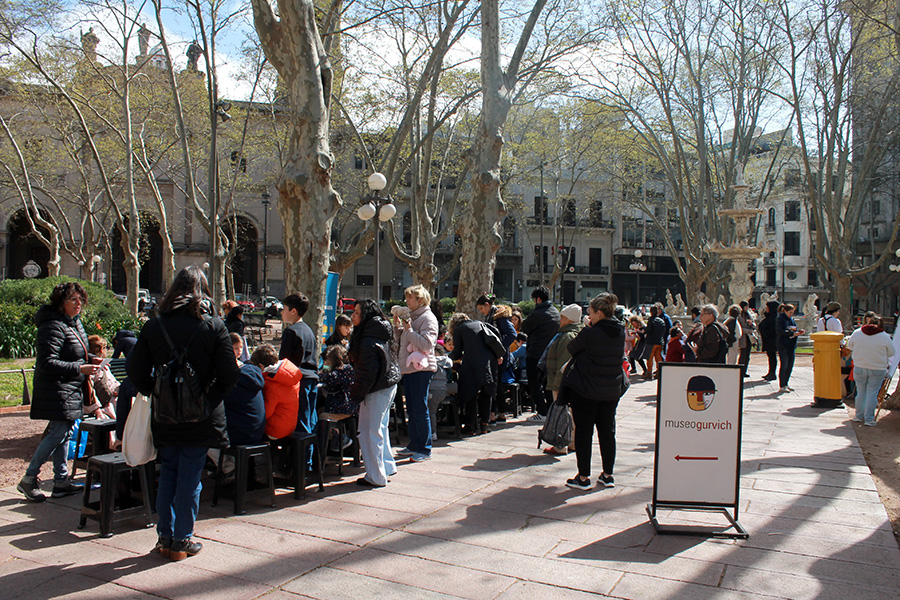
[537,221]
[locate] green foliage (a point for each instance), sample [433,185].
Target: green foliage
[448,306]
[20,299]
[527,307]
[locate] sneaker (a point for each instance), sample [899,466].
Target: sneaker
[769,377]
[433,437]
[420,457]
[31,487]
[65,488]
[537,418]
[789,388]
[870,423]
[363,482]
[163,546]
[347,442]
[576,483]
[181,549]
[404,452]
[857,419]
[784,389]
[606,481]
[554,451]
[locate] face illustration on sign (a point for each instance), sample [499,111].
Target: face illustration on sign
[701,391]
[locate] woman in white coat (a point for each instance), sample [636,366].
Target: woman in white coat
[871,348]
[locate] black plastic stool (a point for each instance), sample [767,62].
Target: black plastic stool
[298,444]
[452,407]
[509,397]
[345,425]
[97,431]
[242,482]
[110,509]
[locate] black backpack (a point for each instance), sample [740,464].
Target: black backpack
[731,328]
[178,394]
[558,427]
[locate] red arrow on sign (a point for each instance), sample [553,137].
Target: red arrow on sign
[679,457]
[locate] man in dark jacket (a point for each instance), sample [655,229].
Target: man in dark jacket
[298,345]
[655,338]
[768,335]
[63,362]
[540,326]
[123,343]
[712,346]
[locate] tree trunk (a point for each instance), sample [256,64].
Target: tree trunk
[308,203]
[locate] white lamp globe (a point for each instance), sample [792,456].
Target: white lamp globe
[638,253]
[897,253]
[366,211]
[377,182]
[97,258]
[387,212]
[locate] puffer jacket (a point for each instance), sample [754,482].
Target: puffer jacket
[541,325]
[281,392]
[596,371]
[558,354]
[421,334]
[245,410]
[211,355]
[374,367]
[62,347]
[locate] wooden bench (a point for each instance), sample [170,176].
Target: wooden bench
[117,368]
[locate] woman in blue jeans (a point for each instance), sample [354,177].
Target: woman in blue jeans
[787,332]
[63,363]
[872,349]
[186,322]
[375,378]
[416,338]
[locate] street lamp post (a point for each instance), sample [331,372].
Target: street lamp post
[381,209]
[541,217]
[638,267]
[265,203]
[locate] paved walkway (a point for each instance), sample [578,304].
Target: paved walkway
[489,518]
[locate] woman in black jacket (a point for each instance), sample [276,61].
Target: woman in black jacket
[477,373]
[592,384]
[185,316]
[375,378]
[63,362]
[768,334]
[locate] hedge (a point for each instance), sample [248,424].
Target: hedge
[20,299]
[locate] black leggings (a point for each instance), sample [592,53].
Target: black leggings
[588,415]
[773,362]
[786,356]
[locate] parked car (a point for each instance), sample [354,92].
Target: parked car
[272,306]
[143,298]
[346,305]
[244,301]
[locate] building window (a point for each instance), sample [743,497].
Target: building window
[792,243]
[792,210]
[596,213]
[812,278]
[359,163]
[537,256]
[238,161]
[595,260]
[770,277]
[569,214]
[770,224]
[365,280]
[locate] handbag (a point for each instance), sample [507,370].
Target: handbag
[137,440]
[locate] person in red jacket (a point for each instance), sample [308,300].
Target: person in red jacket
[280,391]
[675,349]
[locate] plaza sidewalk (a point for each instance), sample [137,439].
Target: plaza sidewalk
[489,518]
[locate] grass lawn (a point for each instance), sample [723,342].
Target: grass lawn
[11,383]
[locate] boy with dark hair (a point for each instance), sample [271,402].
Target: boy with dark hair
[298,345]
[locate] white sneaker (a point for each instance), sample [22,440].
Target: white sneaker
[537,418]
[433,437]
[784,389]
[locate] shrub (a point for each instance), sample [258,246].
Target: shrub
[448,306]
[527,307]
[20,299]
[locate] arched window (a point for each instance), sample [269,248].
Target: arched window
[771,224]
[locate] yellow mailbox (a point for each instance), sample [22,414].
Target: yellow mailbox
[827,368]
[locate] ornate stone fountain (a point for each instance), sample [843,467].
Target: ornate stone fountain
[741,253]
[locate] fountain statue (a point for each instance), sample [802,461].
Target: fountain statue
[741,254]
[670,304]
[680,307]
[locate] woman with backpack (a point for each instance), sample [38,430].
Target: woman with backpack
[592,385]
[375,378]
[185,324]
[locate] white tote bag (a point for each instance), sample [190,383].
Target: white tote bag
[137,442]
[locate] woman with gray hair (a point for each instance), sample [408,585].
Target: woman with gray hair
[711,347]
[477,384]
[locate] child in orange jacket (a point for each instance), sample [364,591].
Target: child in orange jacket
[281,391]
